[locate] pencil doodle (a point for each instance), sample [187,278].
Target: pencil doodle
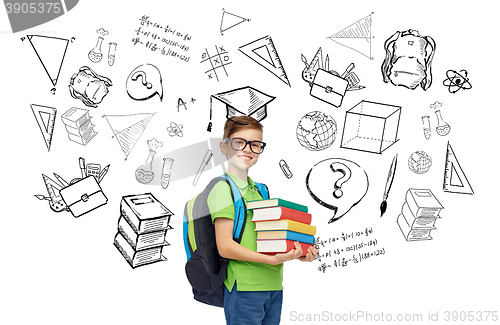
[455,180]
[175,130]
[144,82]
[244,101]
[285,169]
[45,118]
[316,131]
[357,36]
[217,61]
[230,20]
[328,85]
[350,185]
[205,162]
[419,162]
[142,229]
[388,184]
[408,59]
[166,171]
[51,52]
[426,124]
[145,174]
[127,129]
[89,87]
[78,125]
[263,52]
[371,127]
[418,214]
[457,80]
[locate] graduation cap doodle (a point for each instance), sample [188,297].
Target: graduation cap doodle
[245,101]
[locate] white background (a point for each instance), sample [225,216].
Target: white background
[57,269]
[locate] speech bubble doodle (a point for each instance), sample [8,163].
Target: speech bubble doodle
[337,184]
[144,82]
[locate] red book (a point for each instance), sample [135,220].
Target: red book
[279,213]
[274,246]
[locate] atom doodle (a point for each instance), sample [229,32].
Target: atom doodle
[175,129]
[456,81]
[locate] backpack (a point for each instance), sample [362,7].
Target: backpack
[205,269]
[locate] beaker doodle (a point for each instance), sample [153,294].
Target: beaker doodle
[111,54]
[167,169]
[427,126]
[95,55]
[443,128]
[145,174]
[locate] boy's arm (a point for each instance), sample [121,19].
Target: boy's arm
[228,248]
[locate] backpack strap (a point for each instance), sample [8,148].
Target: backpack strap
[263,190]
[240,209]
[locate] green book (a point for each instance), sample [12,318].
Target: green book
[275,202]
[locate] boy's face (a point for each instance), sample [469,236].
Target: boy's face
[246,158]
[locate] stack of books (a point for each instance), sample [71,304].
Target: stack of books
[142,229]
[80,128]
[280,223]
[418,214]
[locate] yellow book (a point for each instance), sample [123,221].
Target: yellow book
[285,225]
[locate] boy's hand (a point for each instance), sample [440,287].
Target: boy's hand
[290,255]
[312,253]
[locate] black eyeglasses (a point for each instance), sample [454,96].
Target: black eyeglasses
[240,144]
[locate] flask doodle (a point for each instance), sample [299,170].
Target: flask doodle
[144,82]
[350,185]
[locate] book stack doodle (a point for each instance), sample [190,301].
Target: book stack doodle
[78,125]
[280,223]
[418,214]
[142,229]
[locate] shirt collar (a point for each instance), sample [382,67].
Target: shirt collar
[241,183]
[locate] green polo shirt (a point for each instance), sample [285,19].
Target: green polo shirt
[249,276]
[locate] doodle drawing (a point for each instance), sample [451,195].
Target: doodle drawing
[419,162]
[205,162]
[285,169]
[349,185]
[127,129]
[357,36]
[111,54]
[166,171]
[230,20]
[388,185]
[316,131]
[55,199]
[418,214]
[175,130]
[51,52]
[95,55]
[456,81]
[244,101]
[142,228]
[78,125]
[264,53]
[371,127]
[455,180]
[88,86]
[83,196]
[408,59]
[217,61]
[45,118]
[145,174]
[442,128]
[426,124]
[144,82]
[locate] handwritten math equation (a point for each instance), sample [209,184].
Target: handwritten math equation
[162,39]
[348,248]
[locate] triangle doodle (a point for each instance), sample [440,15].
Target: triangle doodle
[45,117]
[51,52]
[127,129]
[357,36]
[269,59]
[230,20]
[455,180]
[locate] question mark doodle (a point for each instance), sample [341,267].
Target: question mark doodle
[141,74]
[340,167]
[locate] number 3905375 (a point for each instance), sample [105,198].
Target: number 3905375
[33,7]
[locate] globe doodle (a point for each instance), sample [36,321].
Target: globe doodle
[316,131]
[419,162]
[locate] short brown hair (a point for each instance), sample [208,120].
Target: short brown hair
[237,123]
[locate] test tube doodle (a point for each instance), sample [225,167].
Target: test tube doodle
[427,126]
[111,53]
[167,169]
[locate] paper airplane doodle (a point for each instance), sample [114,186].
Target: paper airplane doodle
[263,52]
[230,20]
[357,36]
[127,129]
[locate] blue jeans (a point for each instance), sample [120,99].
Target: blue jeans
[252,307]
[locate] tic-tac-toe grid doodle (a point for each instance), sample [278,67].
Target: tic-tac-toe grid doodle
[218,61]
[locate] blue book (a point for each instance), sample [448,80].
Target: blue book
[285,234]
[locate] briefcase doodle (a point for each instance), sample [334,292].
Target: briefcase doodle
[329,87]
[83,196]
